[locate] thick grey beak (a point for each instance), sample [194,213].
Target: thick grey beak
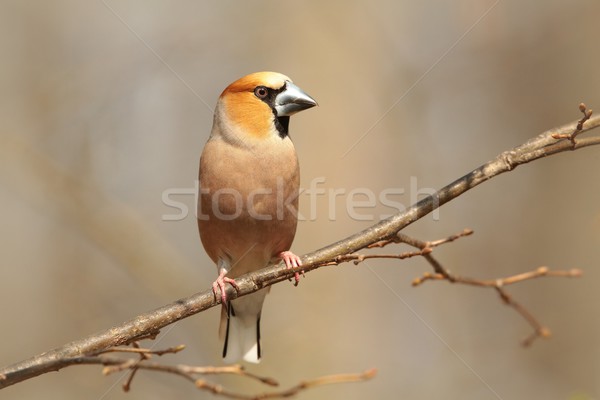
[292,100]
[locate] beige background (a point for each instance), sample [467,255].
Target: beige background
[95,127]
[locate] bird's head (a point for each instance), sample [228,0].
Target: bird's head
[258,106]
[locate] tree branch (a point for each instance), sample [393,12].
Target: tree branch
[190,373]
[548,143]
[194,374]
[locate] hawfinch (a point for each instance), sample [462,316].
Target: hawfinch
[247,205]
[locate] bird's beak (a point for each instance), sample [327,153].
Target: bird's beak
[291,100]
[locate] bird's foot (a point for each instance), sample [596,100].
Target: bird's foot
[292,261]
[219,284]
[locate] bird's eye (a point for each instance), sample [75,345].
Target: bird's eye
[261,92]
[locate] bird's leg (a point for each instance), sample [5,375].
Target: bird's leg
[291,261]
[220,284]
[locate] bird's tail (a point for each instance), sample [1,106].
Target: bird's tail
[240,327]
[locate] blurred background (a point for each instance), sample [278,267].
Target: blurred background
[105,107]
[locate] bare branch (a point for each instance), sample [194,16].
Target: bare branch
[539,330]
[324,380]
[138,350]
[543,145]
[400,238]
[194,373]
[441,273]
[501,282]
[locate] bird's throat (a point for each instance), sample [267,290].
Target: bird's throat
[281,124]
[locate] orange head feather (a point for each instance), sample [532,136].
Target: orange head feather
[258,107]
[250,114]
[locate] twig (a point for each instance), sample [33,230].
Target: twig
[138,350]
[538,147]
[134,367]
[425,248]
[401,238]
[501,282]
[324,380]
[192,373]
[113,364]
[539,330]
[587,114]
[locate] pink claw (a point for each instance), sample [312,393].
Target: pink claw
[220,284]
[292,261]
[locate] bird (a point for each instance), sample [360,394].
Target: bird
[248,197]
